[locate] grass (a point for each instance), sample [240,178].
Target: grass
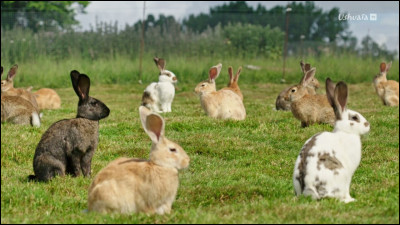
[240,171]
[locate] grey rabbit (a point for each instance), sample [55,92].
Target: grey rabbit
[67,147]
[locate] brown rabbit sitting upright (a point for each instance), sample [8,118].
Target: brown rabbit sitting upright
[129,185]
[233,82]
[387,90]
[309,108]
[17,110]
[7,88]
[68,145]
[313,85]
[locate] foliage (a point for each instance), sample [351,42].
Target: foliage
[37,15]
[240,172]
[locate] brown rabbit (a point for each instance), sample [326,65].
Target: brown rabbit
[67,147]
[309,108]
[128,185]
[7,88]
[387,90]
[233,82]
[222,104]
[47,98]
[17,110]
[313,85]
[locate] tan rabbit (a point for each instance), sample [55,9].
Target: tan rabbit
[222,104]
[47,98]
[17,110]
[387,90]
[313,85]
[129,185]
[7,88]
[309,108]
[233,82]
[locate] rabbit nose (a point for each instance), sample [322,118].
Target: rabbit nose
[174,79]
[366,124]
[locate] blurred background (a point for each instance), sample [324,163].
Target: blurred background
[267,38]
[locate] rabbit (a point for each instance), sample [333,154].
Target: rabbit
[47,98]
[7,88]
[313,85]
[222,104]
[159,96]
[67,147]
[387,90]
[309,108]
[328,160]
[233,82]
[129,185]
[17,110]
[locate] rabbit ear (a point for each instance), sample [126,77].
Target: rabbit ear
[160,63]
[330,91]
[13,71]
[305,67]
[383,67]
[214,71]
[153,124]
[237,74]
[83,87]
[388,66]
[230,72]
[341,93]
[308,77]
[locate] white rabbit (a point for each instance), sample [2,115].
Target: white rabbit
[158,96]
[328,160]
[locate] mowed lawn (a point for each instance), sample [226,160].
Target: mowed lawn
[240,171]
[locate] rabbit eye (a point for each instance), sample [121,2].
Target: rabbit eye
[293,90]
[203,85]
[354,118]
[172,149]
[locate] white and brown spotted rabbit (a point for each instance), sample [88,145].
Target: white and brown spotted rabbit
[129,185]
[387,90]
[67,147]
[222,104]
[328,160]
[312,86]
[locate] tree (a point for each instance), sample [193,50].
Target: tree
[36,15]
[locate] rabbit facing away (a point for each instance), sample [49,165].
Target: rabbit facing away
[158,96]
[221,104]
[7,88]
[233,82]
[312,86]
[328,160]
[387,90]
[129,185]
[17,110]
[308,108]
[67,147]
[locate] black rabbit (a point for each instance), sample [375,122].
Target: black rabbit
[68,145]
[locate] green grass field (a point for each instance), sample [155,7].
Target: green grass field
[240,172]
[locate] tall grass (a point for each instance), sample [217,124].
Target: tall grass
[44,72]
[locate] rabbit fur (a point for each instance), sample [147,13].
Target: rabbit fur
[222,104]
[158,96]
[7,88]
[67,147]
[387,90]
[47,98]
[309,108]
[128,185]
[312,86]
[17,110]
[328,160]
